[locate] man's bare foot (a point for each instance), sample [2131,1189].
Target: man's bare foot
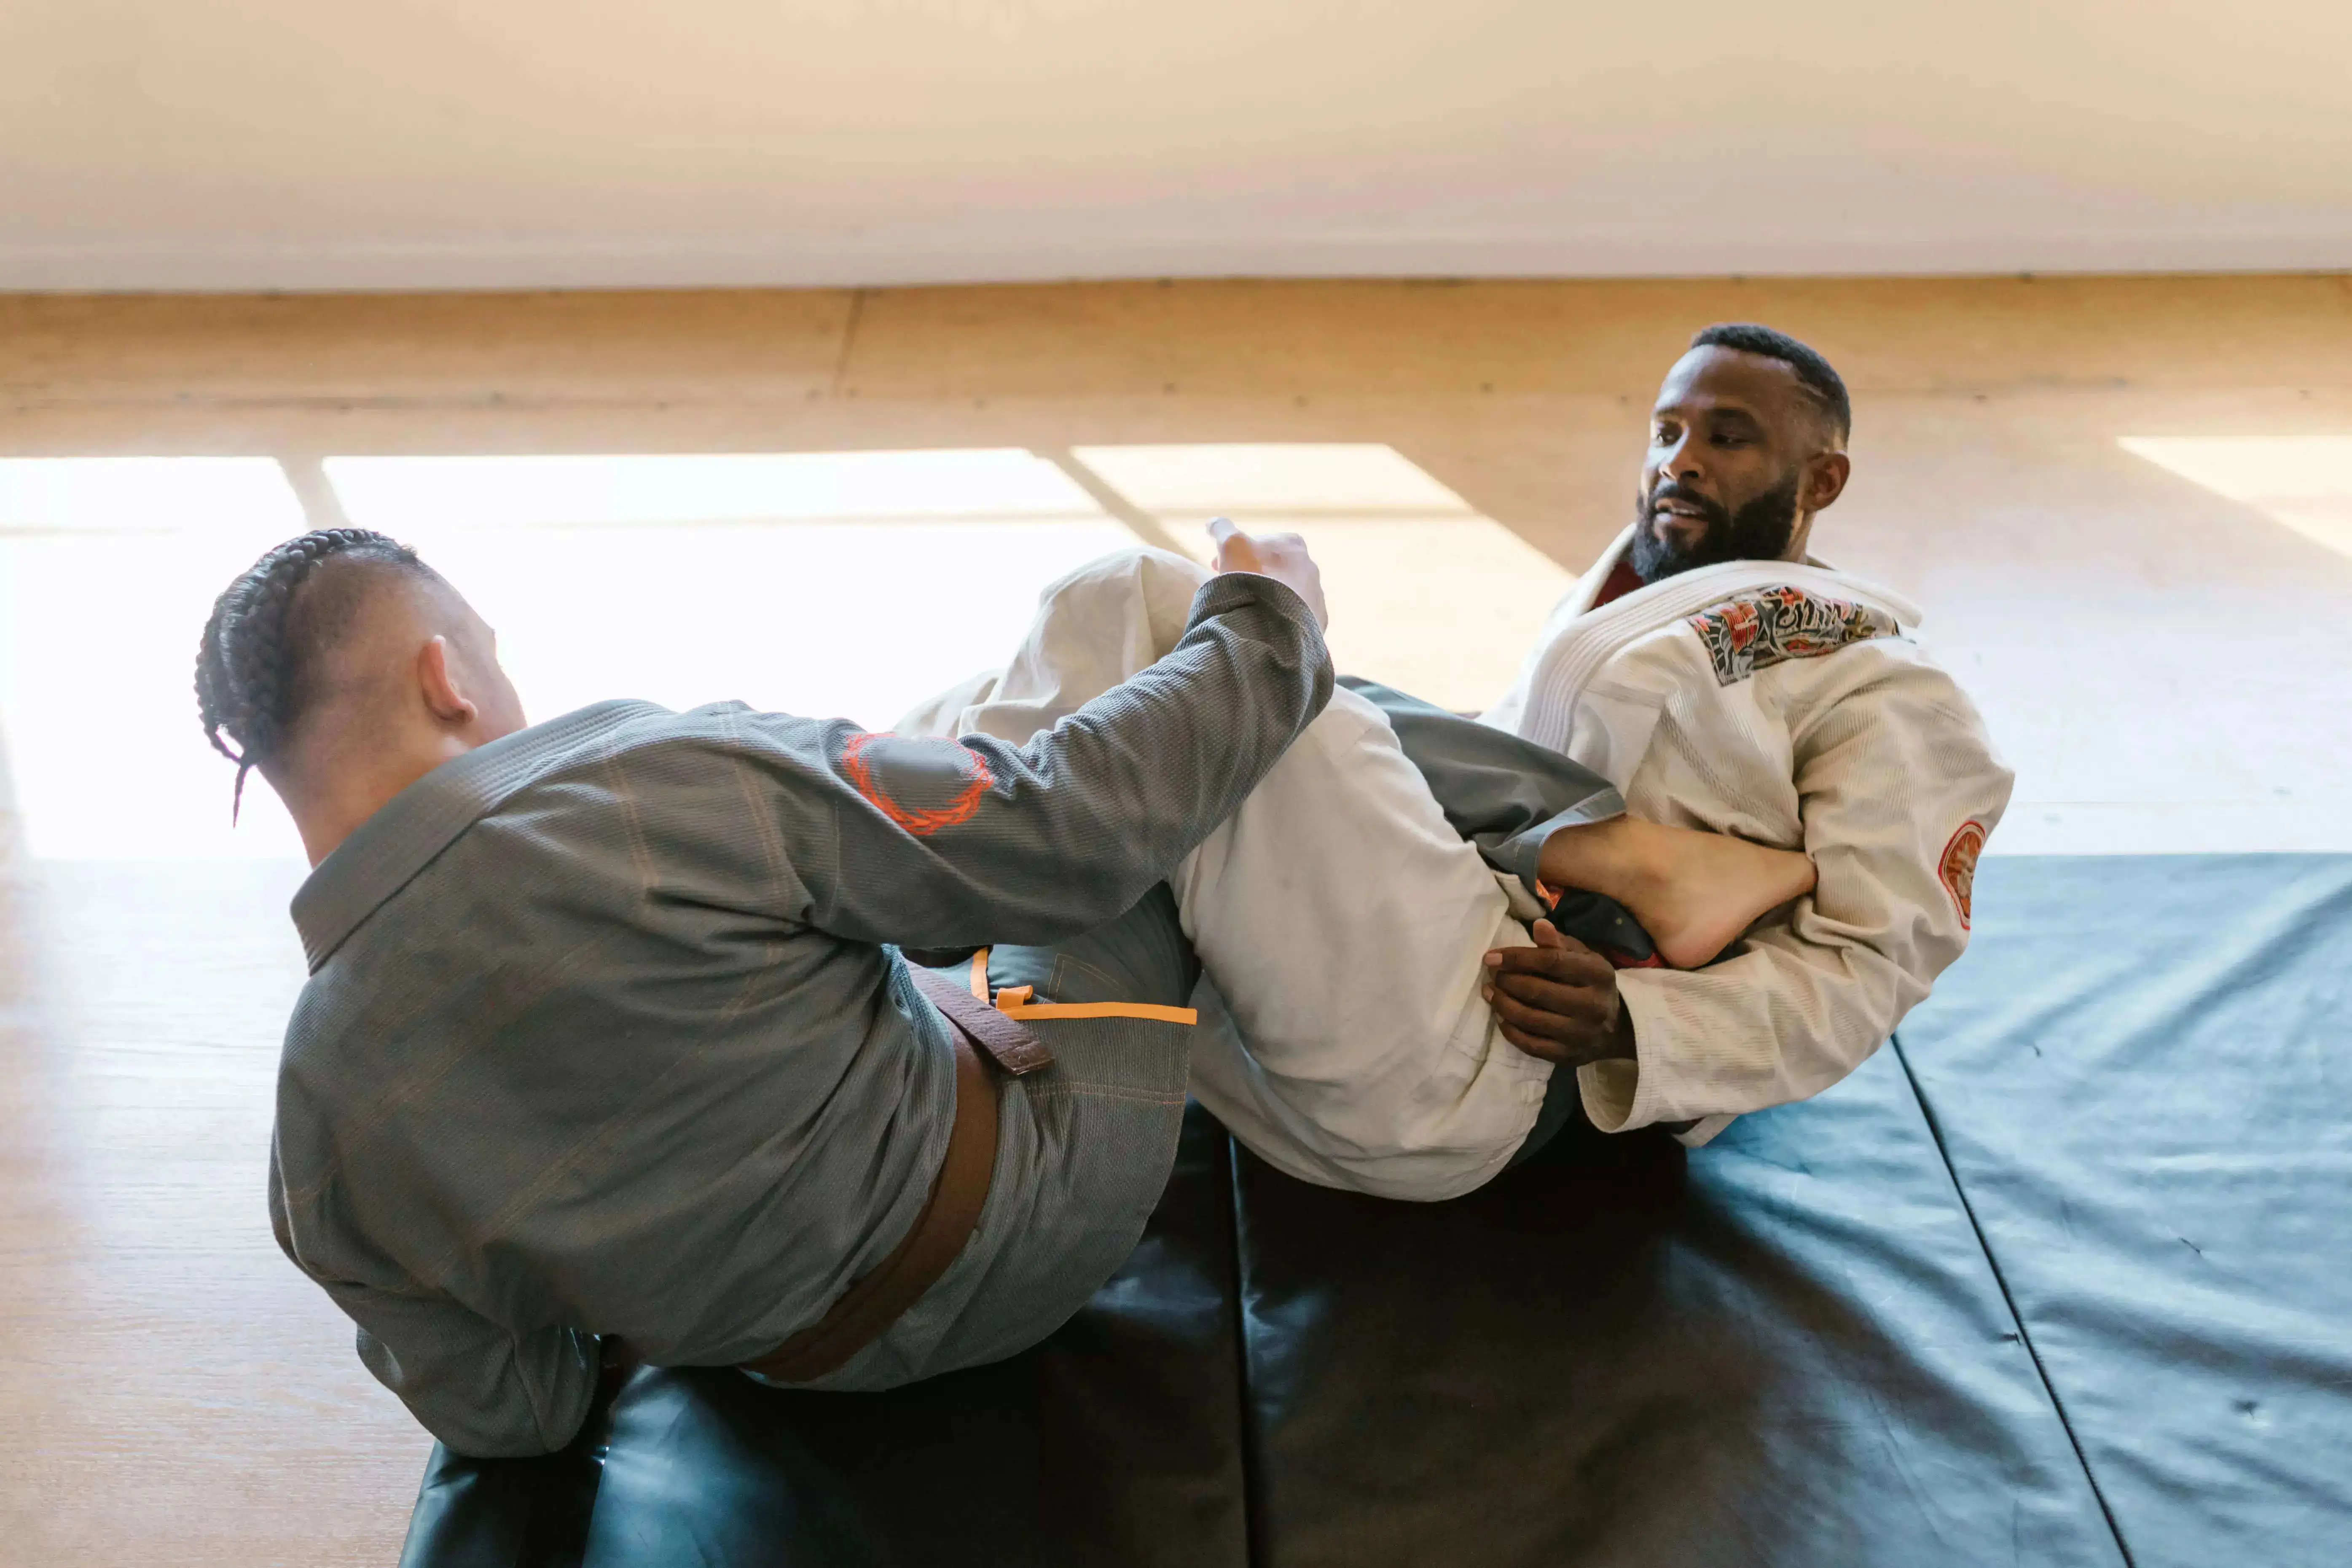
[1693,892]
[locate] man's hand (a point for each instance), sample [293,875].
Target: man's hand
[1281,556]
[1559,1000]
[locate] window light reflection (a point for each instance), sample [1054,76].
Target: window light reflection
[108,569]
[1426,594]
[853,584]
[2303,483]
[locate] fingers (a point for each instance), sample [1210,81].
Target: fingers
[1549,1050]
[1557,1000]
[1228,536]
[1236,550]
[1584,1015]
[1571,963]
[1572,1052]
[1573,1000]
[1281,556]
[1516,1015]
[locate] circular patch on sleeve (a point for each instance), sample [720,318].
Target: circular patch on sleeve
[923,785]
[1958,869]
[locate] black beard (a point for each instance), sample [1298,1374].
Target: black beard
[1761,530]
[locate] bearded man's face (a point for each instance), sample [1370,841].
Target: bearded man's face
[1740,455]
[1701,532]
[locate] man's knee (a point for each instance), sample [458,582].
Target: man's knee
[1154,585]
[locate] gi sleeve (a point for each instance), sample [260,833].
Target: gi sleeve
[484,1390]
[1897,789]
[941,843]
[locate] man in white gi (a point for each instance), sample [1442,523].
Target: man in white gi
[1719,677]
[1723,678]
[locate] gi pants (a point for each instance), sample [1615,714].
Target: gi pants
[1084,1150]
[1342,914]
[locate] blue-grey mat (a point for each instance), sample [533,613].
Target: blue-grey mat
[2142,1077]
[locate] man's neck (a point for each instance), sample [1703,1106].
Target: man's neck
[1800,539]
[354,791]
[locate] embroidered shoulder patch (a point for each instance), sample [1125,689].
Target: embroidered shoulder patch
[1756,631]
[921,784]
[1958,868]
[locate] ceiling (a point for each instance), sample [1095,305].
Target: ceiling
[454,143]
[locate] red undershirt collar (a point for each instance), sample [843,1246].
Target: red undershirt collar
[1622,579]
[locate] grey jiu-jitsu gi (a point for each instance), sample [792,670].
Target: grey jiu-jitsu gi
[603,1033]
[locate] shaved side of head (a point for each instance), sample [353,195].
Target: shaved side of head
[340,645]
[351,641]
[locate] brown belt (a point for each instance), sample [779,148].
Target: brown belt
[951,1211]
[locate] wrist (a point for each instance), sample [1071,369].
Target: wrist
[1626,1049]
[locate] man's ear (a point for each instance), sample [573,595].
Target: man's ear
[1825,478]
[437,676]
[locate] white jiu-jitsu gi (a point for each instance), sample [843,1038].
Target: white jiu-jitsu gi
[1792,705]
[1343,921]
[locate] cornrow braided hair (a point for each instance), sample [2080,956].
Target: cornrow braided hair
[249,669]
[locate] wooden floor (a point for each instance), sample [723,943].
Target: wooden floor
[2157,639]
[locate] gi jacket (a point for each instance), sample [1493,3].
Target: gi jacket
[1790,704]
[601,1034]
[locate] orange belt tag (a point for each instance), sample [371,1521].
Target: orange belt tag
[1013,1003]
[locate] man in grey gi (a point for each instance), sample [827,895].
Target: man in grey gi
[605,1032]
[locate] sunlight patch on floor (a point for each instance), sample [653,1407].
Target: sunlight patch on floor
[1425,594]
[2303,483]
[826,584]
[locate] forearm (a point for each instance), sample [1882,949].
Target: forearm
[1898,787]
[1771,1026]
[1072,828]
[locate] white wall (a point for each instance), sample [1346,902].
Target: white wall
[418,144]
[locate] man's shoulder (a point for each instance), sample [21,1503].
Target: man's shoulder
[1756,631]
[1755,640]
[1797,656]
[636,731]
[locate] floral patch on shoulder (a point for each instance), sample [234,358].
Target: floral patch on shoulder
[1759,630]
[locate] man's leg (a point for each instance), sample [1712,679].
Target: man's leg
[1638,892]
[1342,920]
[1341,915]
[1106,620]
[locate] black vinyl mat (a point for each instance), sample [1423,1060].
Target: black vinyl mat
[1786,1349]
[2142,1076]
[2065,1276]
[1116,1441]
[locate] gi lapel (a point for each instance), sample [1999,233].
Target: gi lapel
[1558,673]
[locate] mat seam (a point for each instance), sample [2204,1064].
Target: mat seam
[1253,1524]
[2009,1300]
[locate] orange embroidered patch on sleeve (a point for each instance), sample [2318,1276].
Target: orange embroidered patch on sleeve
[923,785]
[1958,868]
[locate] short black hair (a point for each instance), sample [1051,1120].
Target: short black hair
[1812,371]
